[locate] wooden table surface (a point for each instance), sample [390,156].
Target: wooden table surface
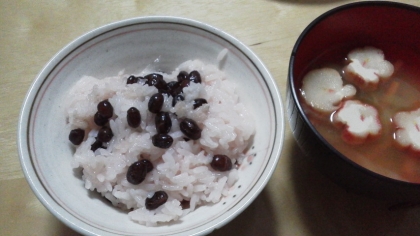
[297,201]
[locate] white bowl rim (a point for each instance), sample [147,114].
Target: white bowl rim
[22,134]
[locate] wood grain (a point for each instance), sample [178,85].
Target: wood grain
[296,201]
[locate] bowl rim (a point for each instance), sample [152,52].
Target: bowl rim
[293,90]
[22,135]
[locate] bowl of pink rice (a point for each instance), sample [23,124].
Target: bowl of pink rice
[151,126]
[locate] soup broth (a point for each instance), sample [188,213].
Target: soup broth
[401,92]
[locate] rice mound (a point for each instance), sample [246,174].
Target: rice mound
[183,170]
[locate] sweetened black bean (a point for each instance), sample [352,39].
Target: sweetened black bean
[153,78]
[190,129]
[221,163]
[159,198]
[105,134]
[97,144]
[133,117]
[168,88]
[162,140]
[165,91]
[177,98]
[156,102]
[173,88]
[183,75]
[156,80]
[194,77]
[76,136]
[105,109]
[132,79]
[99,119]
[183,84]
[137,171]
[149,165]
[171,85]
[199,102]
[177,90]
[163,122]
[177,87]
[185,204]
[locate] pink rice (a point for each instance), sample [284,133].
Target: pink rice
[183,170]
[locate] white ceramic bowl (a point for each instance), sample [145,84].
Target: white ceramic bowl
[45,152]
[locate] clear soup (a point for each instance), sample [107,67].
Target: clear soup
[399,93]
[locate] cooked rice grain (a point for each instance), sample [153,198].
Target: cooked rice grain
[183,170]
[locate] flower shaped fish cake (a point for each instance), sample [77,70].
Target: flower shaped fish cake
[407,133]
[367,67]
[359,121]
[324,91]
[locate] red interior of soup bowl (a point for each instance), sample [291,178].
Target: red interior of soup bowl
[386,25]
